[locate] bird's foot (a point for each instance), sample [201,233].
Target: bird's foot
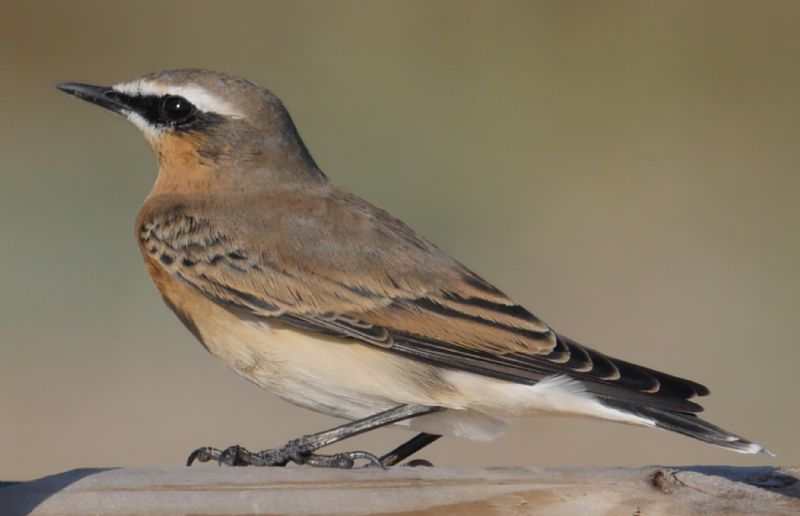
[302,451]
[294,451]
[237,456]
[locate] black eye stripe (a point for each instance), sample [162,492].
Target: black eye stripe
[147,106]
[153,109]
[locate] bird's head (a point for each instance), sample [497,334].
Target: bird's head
[199,118]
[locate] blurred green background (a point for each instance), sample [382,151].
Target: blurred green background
[630,171]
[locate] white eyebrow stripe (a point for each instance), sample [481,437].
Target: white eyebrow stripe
[201,98]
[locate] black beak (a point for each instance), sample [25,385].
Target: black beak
[103,96]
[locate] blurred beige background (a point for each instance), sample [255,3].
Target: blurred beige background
[630,171]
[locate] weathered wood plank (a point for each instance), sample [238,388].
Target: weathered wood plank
[525,490]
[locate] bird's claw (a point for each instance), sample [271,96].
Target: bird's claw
[419,463]
[204,454]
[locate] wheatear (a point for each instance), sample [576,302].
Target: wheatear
[334,305]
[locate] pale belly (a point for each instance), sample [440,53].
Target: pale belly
[333,376]
[337,377]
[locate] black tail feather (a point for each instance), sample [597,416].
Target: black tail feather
[689,425]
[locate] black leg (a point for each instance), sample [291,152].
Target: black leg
[408,448]
[301,451]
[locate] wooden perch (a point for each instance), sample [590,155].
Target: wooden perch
[296,490]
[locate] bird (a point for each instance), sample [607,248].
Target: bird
[333,304]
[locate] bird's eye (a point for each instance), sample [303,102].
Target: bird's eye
[175,109]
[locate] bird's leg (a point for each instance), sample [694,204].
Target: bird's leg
[301,451]
[409,448]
